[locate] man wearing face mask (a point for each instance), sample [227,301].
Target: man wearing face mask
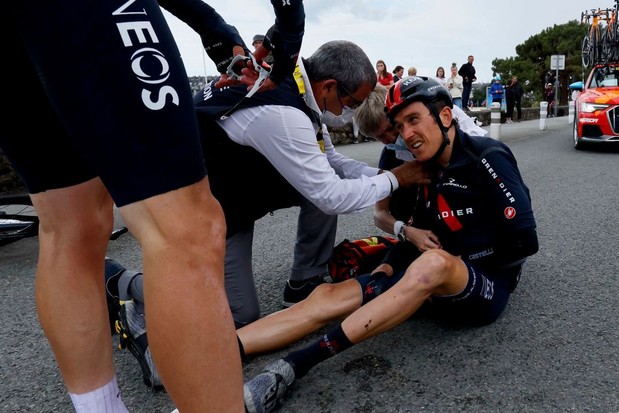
[273,151]
[282,156]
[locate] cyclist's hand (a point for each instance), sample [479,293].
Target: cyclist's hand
[423,239]
[224,80]
[218,47]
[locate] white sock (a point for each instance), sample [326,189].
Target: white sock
[105,399]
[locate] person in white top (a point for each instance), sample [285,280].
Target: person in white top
[265,156]
[440,75]
[455,86]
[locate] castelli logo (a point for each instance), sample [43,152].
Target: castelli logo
[509,212]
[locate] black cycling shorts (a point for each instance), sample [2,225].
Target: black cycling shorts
[481,302]
[97,88]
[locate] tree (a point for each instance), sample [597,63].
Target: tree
[532,62]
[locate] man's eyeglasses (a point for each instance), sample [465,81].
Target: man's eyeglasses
[356,103]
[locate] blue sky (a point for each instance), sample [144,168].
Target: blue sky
[421,33]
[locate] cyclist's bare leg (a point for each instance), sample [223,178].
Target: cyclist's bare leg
[328,302]
[190,328]
[75,225]
[435,272]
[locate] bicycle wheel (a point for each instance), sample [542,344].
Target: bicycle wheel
[18,219]
[587,51]
[608,43]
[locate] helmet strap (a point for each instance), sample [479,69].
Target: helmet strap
[444,132]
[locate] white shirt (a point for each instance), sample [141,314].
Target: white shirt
[287,138]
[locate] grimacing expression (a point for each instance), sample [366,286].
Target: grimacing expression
[419,130]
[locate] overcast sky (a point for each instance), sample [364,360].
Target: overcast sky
[421,33]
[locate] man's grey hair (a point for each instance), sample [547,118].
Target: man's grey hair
[371,113]
[343,61]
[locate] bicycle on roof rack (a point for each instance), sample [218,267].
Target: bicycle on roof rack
[18,219]
[610,37]
[592,43]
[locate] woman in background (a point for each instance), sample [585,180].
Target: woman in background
[382,74]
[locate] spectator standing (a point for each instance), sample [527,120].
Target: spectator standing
[412,71]
[467,71]
[496,90]
[398,73]
[549,78]
[258,41]
[383,76]
[509,101]
[440,76]
[454,84]
[549,96]
[518,94]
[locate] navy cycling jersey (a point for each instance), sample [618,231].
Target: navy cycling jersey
[477,204]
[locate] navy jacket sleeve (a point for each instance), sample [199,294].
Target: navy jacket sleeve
[218,37]
[284,38]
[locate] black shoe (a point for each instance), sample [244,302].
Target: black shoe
[113,271]
[132,330]
[295,293]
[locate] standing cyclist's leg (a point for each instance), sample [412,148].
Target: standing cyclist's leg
[75,216]
[75,225]
[148,129]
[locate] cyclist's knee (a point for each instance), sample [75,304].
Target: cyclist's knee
[431,269]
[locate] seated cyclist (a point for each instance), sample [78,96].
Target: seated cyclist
[480,210]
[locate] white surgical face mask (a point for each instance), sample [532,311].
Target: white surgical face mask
[335,121]
[398,145]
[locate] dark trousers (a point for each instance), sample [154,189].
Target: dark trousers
[518,109]
[510,109]
[466,93]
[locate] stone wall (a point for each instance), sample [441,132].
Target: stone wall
[483,115]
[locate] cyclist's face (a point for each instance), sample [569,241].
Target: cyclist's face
[419,130]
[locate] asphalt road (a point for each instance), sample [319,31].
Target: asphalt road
[555,349]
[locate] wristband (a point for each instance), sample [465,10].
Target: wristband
[392,180]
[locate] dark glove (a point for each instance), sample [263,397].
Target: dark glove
[219,48]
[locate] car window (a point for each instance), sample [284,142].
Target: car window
[609,82]
[605,77]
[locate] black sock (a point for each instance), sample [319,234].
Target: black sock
[328,345]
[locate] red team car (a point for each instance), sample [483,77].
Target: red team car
[597,107]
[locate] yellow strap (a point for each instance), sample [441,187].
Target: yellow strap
[298,77]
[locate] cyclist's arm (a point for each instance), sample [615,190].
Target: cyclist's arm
[513,210]
[218,37]
[284,38]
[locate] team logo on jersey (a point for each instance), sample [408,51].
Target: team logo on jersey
[509,212]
